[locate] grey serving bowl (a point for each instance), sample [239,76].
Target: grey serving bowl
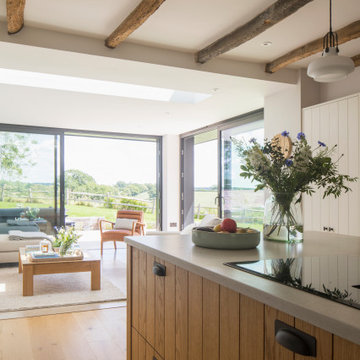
[231,241]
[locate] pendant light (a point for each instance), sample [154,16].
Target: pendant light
[330,67]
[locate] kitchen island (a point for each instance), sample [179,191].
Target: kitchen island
[183,303]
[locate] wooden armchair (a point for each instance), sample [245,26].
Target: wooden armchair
[118,234]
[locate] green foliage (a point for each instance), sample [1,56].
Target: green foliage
[305,170]
[15,153]
[134,189]
[109,203]
[77,180]
[65,237]
[31,213]
[151,190]
[132,204]
[288,178]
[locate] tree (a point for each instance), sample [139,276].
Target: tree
[121,185]
[77,180]
[15,153]
[151,189]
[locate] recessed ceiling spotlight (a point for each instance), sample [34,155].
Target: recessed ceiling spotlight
[266,43]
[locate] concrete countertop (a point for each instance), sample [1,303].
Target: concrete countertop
[336,318]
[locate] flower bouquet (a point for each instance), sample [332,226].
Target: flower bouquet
[65,239]
[288,176]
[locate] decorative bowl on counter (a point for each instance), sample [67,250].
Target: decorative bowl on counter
[226,241]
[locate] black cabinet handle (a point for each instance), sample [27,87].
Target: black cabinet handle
[294,339]
[331,229]
[325,228]
[159,270]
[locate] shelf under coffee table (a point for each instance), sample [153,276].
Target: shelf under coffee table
[29,269]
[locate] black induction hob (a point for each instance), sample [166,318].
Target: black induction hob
[335,277]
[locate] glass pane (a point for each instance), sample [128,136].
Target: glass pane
[240,202]
[27,192]
[103,175]
[205,174]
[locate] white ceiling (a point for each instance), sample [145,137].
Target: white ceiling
[189,25]
[183,25]
[231,95]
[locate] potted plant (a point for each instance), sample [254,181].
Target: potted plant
[65,239]
[56,243]
[31,213]
[288,175]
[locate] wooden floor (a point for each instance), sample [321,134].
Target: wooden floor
[88,335]
[81,335]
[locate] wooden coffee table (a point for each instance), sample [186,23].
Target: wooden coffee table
[29,269]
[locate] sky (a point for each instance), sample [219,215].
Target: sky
[106,160]
[112,160]
[206,161]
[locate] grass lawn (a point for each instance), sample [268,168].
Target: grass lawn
[82,211]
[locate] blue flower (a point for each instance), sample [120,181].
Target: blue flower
[288,162]
[285,133]
[321,144]
[252,140]
[300,136]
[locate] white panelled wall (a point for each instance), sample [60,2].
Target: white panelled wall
[335,122]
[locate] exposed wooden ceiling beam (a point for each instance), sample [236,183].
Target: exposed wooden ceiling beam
[138,16]
[347,33]
[269,17]
[15,15]
[356,60]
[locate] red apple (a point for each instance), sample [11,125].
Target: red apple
[228,225]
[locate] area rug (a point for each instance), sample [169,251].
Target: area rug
[53,290]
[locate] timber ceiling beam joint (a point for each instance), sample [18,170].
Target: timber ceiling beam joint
[15,15]
[356,60]
[276,12]
[136,18]
[345,34]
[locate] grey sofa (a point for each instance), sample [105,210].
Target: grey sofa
[7,217]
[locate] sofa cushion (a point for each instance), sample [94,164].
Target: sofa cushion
[124,224]
[5,228]
[7,246]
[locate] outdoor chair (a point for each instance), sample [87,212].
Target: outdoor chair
[128,223]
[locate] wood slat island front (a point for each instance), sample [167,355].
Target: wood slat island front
[184,316]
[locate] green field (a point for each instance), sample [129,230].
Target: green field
[82,211]
[246,206]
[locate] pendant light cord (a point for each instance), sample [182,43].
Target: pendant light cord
[330,40]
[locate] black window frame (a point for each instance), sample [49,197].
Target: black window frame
[186,157]
[62,132]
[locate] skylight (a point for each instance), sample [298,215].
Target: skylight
[91,86]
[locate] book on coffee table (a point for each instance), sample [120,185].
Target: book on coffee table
[40,255]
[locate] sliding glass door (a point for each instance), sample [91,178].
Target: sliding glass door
[53,177]
[211,182]
[29,182]
[105,174]
[199,177]
[239,201]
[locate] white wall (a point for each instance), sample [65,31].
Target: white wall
[310,90]
[171,182]
[282,110]
[349,86]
